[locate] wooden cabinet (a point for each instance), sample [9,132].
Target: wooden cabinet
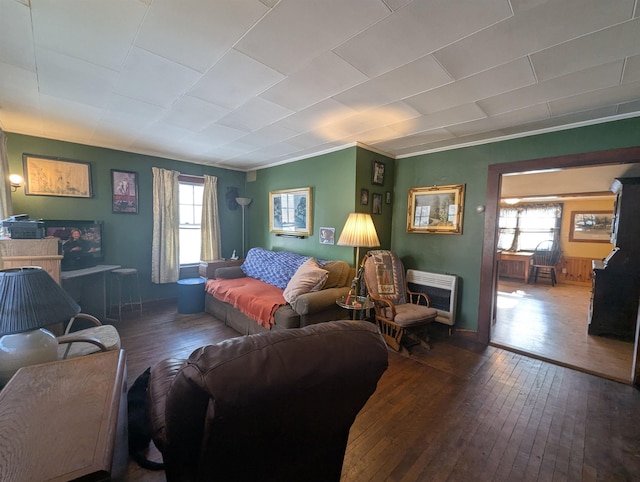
[616,279]
[32,252]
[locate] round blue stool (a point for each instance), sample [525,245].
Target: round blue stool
[191,295]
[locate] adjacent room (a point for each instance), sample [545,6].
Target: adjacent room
[319,240]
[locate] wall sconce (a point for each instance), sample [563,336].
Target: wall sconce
[16,182]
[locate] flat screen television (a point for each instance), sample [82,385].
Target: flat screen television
[80,242]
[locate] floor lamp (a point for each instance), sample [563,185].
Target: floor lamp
[359,230]
[243,202]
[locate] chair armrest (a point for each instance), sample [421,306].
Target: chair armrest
[69,339]
[230,272]
[317,301]
[382,306]
[83,316]
[414,297]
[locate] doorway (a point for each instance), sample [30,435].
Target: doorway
[494,292]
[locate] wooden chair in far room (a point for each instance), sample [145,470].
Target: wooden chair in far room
[89,340]
[544,261]
[401,314]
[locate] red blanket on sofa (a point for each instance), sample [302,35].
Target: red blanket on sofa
[256,299]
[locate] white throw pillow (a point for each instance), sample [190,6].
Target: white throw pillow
[309,277]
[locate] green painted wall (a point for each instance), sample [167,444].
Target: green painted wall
[461,254]
[332,178]
[127,236]
[382,221]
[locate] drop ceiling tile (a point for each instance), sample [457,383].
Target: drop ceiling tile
[179,30]
[401,143]
[308,140]
[529,31]
[364,121]
[74,79]
[254,115]
[154,79]
[323,77]
[418,76]
[498,80]
[219,134]
[235,79]
[60,118]
[631,70]
[579,82]
[562,120]
[629,107]
[270,134]
[97,32]
[445,118]
[298,30]
[419,29]
[17,85]
[596,99]
[396,4]
[607,45]
[317,115]
[194,114]
[517,117]
[16,41]
[138,112]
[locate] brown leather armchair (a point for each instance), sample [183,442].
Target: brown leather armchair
[272,406]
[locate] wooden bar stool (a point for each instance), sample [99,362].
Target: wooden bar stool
[125,279]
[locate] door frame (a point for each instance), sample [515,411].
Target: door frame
[628,155]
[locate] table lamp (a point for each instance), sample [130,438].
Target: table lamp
[31,300]
[358,231]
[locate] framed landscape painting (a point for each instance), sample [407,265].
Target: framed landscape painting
[54,176]
[436,209]
[590,226]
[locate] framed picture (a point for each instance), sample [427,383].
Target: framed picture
[376,203]
[364,196]
[290,212]
[54,176]
[124,192]
[377,173]
[327,235]
[590,226]
[436,209]
[387,197]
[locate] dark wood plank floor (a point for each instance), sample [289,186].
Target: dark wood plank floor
[459,412]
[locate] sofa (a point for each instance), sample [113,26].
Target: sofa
[276,406]
[275,290]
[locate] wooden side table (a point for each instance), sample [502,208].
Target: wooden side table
[65,420]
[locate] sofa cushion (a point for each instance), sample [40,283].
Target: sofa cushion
[338,274]
[273,267]
[309,277]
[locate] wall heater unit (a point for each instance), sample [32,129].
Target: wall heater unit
[442,290]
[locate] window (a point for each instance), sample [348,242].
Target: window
[190,191]
[522,228]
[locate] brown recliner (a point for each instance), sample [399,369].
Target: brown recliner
[275,406]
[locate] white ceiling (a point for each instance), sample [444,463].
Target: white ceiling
[247,83]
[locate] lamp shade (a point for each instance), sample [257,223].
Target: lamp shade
[243,201]
[31,299]
[358,231]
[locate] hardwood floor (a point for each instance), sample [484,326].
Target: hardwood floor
[459,412]
[551,323]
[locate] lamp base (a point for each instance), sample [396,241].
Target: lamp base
[23,349]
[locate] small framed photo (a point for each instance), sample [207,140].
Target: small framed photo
[124,192]
[387,197]
[327,235]
[364,196]
[377,173]
[376,203]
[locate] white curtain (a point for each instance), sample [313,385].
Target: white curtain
[165,253]
[210,224]
[6,208]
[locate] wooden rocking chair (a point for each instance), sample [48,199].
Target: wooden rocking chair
[400,315]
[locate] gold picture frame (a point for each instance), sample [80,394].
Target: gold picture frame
[54,176]
[290,212]
[436,209]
